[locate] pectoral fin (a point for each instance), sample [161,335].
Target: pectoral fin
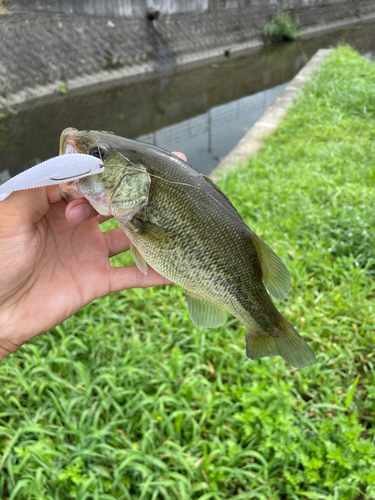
[205,314]
[276,276]
[153,232]
[138,259]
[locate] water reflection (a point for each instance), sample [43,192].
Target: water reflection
[369,56]
[206,137]
[202,111]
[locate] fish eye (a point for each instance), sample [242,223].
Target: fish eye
[97,152]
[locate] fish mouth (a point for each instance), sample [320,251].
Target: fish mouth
[67,141]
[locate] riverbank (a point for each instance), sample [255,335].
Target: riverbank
[128,399]
[253,140]
[44,53]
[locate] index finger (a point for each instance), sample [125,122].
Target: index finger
[180,155]
[28,206]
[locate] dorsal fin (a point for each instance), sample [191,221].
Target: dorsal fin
[275,275]
[216,193]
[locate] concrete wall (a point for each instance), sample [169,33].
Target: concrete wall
[39,51]
[133,9]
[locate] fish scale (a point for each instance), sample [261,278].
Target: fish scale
[197,275]
[189,231]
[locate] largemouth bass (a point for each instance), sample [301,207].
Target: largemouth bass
[183,225]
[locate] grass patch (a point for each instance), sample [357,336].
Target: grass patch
[281,28]
[128,400]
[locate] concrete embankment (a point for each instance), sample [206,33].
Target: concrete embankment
[255,137]
[47,46]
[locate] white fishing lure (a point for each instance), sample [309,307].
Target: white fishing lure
[64,168]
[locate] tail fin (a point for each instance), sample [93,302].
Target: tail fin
[285,342]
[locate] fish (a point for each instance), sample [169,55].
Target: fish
[182,225]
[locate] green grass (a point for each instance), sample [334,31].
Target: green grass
[281,28]
[128,400]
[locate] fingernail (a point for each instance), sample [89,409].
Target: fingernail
[81,213]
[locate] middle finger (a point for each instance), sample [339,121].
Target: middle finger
[116,241]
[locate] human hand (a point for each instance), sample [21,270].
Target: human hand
[54,261]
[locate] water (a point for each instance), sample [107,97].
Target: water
[205,139]
[202,111]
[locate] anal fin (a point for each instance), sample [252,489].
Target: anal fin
[204,314]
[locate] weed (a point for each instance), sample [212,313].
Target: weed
[63,88]
[281,28]
[8,108]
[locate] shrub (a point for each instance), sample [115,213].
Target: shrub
[281,28]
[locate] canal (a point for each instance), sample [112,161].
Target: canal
[202,110]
